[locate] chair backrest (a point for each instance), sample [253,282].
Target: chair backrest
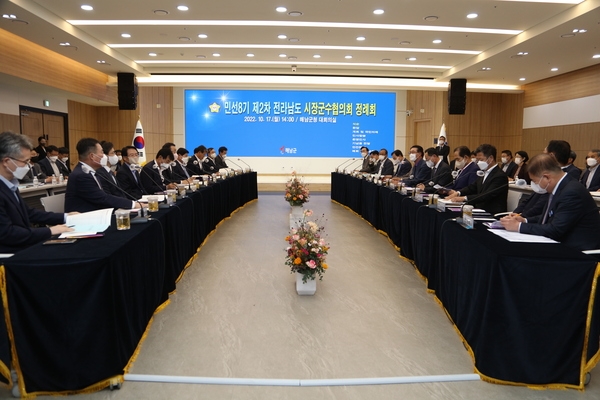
[54,203]
[513,199]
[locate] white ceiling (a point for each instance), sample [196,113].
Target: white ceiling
[326,27]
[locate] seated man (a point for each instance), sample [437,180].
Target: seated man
[591,177]
[508,165]
[374,163]
[441,175]
[49,164]
[195,162]
[180,169]
[63,161]
[570,216]
[365,167]
[16,216]
[386,166]
[420,172]
[490,190]
[84,189]
[467,169]
[401,166]
[107,177]
[220,159]
[128,175]
[208,164]
[155,174]
[560,150]
[35,171]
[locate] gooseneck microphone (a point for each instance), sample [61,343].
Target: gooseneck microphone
[338,167]
[239,159]
[354,162]
[237,165]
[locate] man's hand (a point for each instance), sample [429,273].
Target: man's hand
[57,229]
[511,222]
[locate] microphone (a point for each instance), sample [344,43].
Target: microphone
[432,183]
[140,219]
[239,159]
[338,167]
[183,178]
[237,165]
[160,185]
[459,220]
[521,182]
[354,162]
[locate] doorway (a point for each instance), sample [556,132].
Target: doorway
[52,125]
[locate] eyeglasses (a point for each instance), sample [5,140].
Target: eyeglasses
[26,162]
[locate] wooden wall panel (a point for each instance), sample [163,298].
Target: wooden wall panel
[572,85]
[10,123]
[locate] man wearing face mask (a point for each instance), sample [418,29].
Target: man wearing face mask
[128,175]
[195,162]
[40,150]
[155,174]
[467,169]
[374,161]
[84,188]
[208,164]
[180,169]
[591,177]
[386,166]
[570,216]
[49,165]
[420,171]
[220,159]
[490,190]
[105,175]
[441,175]
[401,166]
[16,217]
[63,161]
[508,165]
[364,152]
[443,149]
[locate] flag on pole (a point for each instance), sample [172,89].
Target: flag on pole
[138,141]
[443,132]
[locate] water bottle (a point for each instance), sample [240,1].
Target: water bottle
[61,179]
[35,181]
[54,181]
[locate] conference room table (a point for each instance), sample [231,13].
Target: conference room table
[77,312]
[527,312]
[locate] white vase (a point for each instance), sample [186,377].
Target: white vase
[296,216]
[305,289]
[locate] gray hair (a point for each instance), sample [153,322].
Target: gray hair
[12,144]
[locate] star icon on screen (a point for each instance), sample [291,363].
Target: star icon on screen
[214,108]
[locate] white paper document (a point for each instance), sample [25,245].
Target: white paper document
[93,221]
[521,237]
[144,199]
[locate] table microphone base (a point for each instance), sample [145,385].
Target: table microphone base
[139,220]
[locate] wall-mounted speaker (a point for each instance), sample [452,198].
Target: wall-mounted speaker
[457,96]
[128,91]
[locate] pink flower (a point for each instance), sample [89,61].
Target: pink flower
[302,242]
[300,196]
[295,237]
[311,264]
[308,213]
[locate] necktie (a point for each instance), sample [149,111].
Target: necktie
[96,179]
[547,208]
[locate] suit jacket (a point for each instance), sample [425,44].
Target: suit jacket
[194,166]
[532,205]
[220,163]
[595,184]
[522,172]
[573,217]
[41,150]
[466,176]
[179,172]
[129,183]
[402,169]
[365,164]
[388,167]
[108,182]
[420,173]
[46,167]
[443,152]
[15,218]
[34,170]
[84,194]
[511,168]
[209,166]
[573,172]
[491,195]
[152,180]
[442,175]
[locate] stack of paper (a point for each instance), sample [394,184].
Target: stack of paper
[88,224]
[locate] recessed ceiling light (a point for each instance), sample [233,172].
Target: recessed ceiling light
[386,59]
[567,35]
[65,44]
[161,12]
[404,43]
[281,9]
[472,15]
[249,55]
[200,56]
[216,55]
[582,30]
[484,69]
[379,11]
[152,54]
[411,58]
[431,18]
[87,7]
[9,16]
[281,37]
[553,69]
[293,39]
[522,53]
[184,38]
[183,8]
[437,41]
[100,61]
[348,57]
[203,36]
[360,38]
[521,79]
[292,58]
[317,56]
[295,14]
[596,56]
[283,55]
[125,35]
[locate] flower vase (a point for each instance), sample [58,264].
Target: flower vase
[296,216]
[305,289]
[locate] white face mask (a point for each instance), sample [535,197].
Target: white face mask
[504,160]
[53,158]
[440,142]
[224,156]
[537,188]
[473,159]
[120,158]
[412,157]
[591,162]
[103,160]
[213,155]
[429,163]
[134,160]
[164,166]
[518,160]
[482,165]
[460,164]
[396,161]
[363,153]
[113,159]
[20,172]
[185,160]
[65,160]
[381,158]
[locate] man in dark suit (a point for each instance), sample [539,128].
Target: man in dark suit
[570,216]
[560,150]
[401,166]
[63,161]
[508,165]
[220,159]
[180,169]
[49,165]
[105,175]
[467,169]
[591,177]
[195,162]
[41,149]
[128,176]
[208,164]
[420,172]
[443,149]
[374,163]
[490,190]
[16,232]
[366,167]
[441,175]
[155,174]
[84,188]
[386,166]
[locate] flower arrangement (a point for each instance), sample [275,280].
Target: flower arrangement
[307,249]
[296,192]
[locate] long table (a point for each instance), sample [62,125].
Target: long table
[75,314]
[526,312]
